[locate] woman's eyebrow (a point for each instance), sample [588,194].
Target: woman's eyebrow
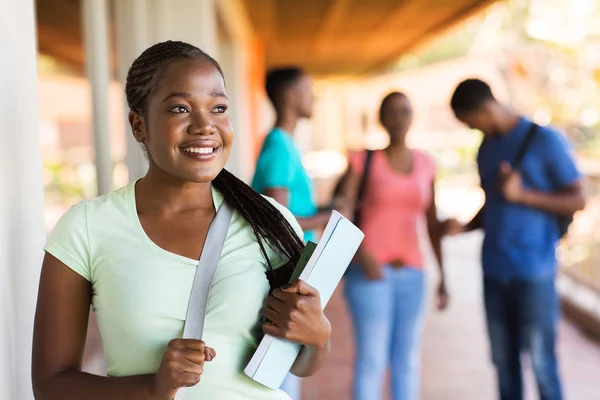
[218,94]
[177,94]
[189,95]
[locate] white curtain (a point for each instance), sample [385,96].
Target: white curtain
[21,196]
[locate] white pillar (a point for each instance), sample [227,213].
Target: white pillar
[234,63]
[192,21]
[132,22]
[234,58]
[21,196]
[95,34]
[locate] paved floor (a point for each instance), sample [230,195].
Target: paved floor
[455,352]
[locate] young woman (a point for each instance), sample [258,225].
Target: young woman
[386,286]
[133,255]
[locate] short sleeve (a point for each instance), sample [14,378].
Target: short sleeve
[559,159]
[276,259]
[279,168]
[357,162]
[69,242]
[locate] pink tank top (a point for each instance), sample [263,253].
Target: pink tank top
[392,206]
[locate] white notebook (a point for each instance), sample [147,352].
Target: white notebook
[274,357]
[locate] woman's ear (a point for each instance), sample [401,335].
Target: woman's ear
[138,126]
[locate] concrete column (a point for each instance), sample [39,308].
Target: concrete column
[234,63]
[234,57]
[95,34]
[132,22]
[192,21]
[21,196]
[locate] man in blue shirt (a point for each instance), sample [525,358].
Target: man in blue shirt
[279,171]
[521,232]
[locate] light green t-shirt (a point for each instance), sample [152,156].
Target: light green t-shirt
[141,292]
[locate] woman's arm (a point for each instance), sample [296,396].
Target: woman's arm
[436,230]
[294,313]
[59,338]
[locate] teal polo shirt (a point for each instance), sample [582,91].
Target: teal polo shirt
[280,166]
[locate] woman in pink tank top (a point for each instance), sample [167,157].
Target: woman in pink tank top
[385,286]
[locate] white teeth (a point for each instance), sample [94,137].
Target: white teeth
[199,150]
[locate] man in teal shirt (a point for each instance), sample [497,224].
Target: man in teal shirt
[279,171]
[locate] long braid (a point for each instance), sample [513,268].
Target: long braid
[261,215]
[269,226]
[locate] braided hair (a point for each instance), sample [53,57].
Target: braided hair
[267,223]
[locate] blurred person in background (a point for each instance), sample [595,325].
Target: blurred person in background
[280,173]
[521,220]
[385,285]
[133,254]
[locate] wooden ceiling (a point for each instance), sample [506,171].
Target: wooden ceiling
[59,30]
[350,36]
[324,36]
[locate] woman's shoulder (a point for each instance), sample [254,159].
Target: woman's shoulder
[425,159]
[97,208]
[358,158]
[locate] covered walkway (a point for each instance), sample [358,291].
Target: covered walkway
[455,358]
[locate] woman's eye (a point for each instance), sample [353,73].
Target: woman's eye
[220,109]
[179,109]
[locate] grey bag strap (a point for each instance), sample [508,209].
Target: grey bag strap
[205,273]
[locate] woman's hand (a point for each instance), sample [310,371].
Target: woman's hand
[294,313]
[371,268]
[451,227]
[443,299]
[181,366]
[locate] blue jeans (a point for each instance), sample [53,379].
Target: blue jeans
[522,315]
[291,385]
[388,319]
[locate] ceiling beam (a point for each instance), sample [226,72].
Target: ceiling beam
[235,17]
[438,28]
[263,14]
[334,15]
[401,16]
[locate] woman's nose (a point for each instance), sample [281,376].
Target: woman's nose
[201,125]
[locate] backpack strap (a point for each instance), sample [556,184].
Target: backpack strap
[205,273]
[362,185]
[525,146]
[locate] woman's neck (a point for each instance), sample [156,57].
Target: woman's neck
[159,192]
[397,148]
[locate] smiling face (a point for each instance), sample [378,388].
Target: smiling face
[186,127]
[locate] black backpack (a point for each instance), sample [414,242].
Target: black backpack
[563,221]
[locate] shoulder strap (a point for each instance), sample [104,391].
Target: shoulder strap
[209,259]
[525,146]
[362,185]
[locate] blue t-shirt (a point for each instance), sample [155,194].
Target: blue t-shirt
[280,166]
[520,242]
